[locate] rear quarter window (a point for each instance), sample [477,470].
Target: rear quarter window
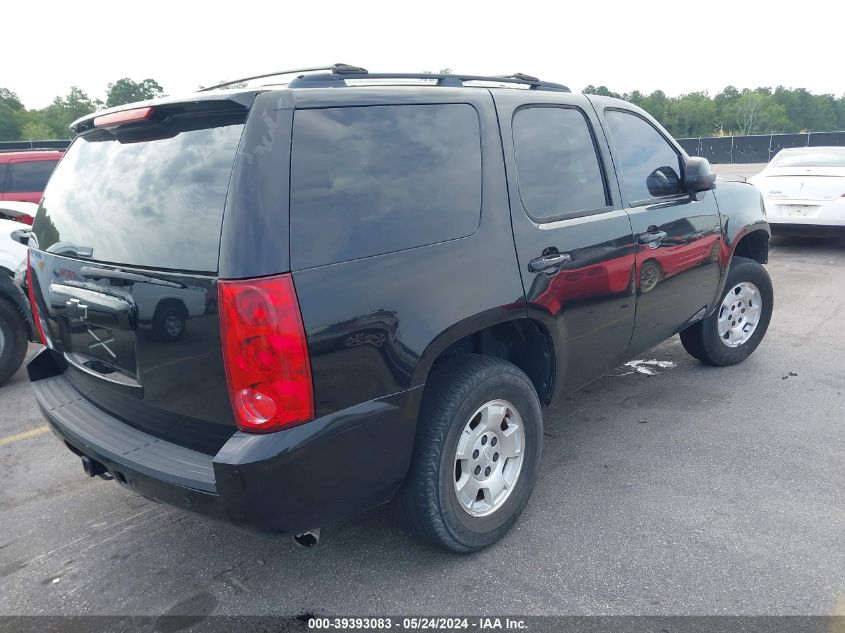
[378,179]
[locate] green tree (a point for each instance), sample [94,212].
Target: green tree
[10,105]
[36,131]
[10,127]
[656,104]
[757,112]
[840,112]
[65,110]
[10,99]
[127,91]
[636,97]
[601,90]
[691,115]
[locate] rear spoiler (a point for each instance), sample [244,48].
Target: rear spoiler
[194,102]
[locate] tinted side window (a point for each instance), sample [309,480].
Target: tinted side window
[3,167]
[649,166]
[556,162]
[376,179]
[31,175]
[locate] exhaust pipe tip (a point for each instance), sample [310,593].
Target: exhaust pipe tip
[308,539]
[93,468]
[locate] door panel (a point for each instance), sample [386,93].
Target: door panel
[577,264]
[677,235]
[677,276]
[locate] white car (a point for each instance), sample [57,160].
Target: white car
[21,211]
[804,186]
[15,326]
[14,216]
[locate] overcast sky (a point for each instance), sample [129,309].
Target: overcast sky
[679,47]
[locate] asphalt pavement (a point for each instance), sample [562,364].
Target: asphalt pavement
[667,487]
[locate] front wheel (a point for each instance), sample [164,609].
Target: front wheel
[477,454]
[739,323]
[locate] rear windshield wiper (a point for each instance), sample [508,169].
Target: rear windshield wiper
[71,250]
[92,272]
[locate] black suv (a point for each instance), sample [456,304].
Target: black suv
[383,286]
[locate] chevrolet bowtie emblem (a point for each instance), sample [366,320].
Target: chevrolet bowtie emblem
[76,309]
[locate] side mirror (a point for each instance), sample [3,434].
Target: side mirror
[663,181]
[21,236]
[698,176]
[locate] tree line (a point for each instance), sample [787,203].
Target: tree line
[18,123]
[732,111]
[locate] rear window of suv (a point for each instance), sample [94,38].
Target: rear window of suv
[377,179]
[153,201]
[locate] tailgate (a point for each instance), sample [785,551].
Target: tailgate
[126,245]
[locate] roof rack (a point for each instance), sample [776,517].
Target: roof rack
[266,75]
[339,74]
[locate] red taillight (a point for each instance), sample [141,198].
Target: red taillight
[26,219]
[35,316]
[121,118]
[265,353]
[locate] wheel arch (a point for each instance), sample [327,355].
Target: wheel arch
[523,341]
[753,244]
[750,241]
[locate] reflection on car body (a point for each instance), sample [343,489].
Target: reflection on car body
[689,242]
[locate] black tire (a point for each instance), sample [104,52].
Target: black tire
[427,504]
[14,339]
[702,339]
[169,322]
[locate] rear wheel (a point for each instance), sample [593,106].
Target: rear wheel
[13,340]
[739,323]
[477,453]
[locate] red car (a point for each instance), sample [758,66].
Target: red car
[24,174]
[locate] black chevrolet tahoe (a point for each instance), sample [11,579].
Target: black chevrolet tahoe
[367,289]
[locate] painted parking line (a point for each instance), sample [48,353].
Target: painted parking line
[11,439]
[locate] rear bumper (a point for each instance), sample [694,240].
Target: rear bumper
[805,212]
[284,482]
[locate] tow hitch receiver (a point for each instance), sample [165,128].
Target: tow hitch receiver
[93,468]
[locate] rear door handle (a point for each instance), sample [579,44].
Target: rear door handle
[653,236]
[547,262]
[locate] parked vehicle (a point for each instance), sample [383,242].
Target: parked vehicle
[23,212]
[24,174]
[804,188]
[15,323]
[406,275]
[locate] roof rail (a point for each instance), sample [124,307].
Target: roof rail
[340,73]
[266,75]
